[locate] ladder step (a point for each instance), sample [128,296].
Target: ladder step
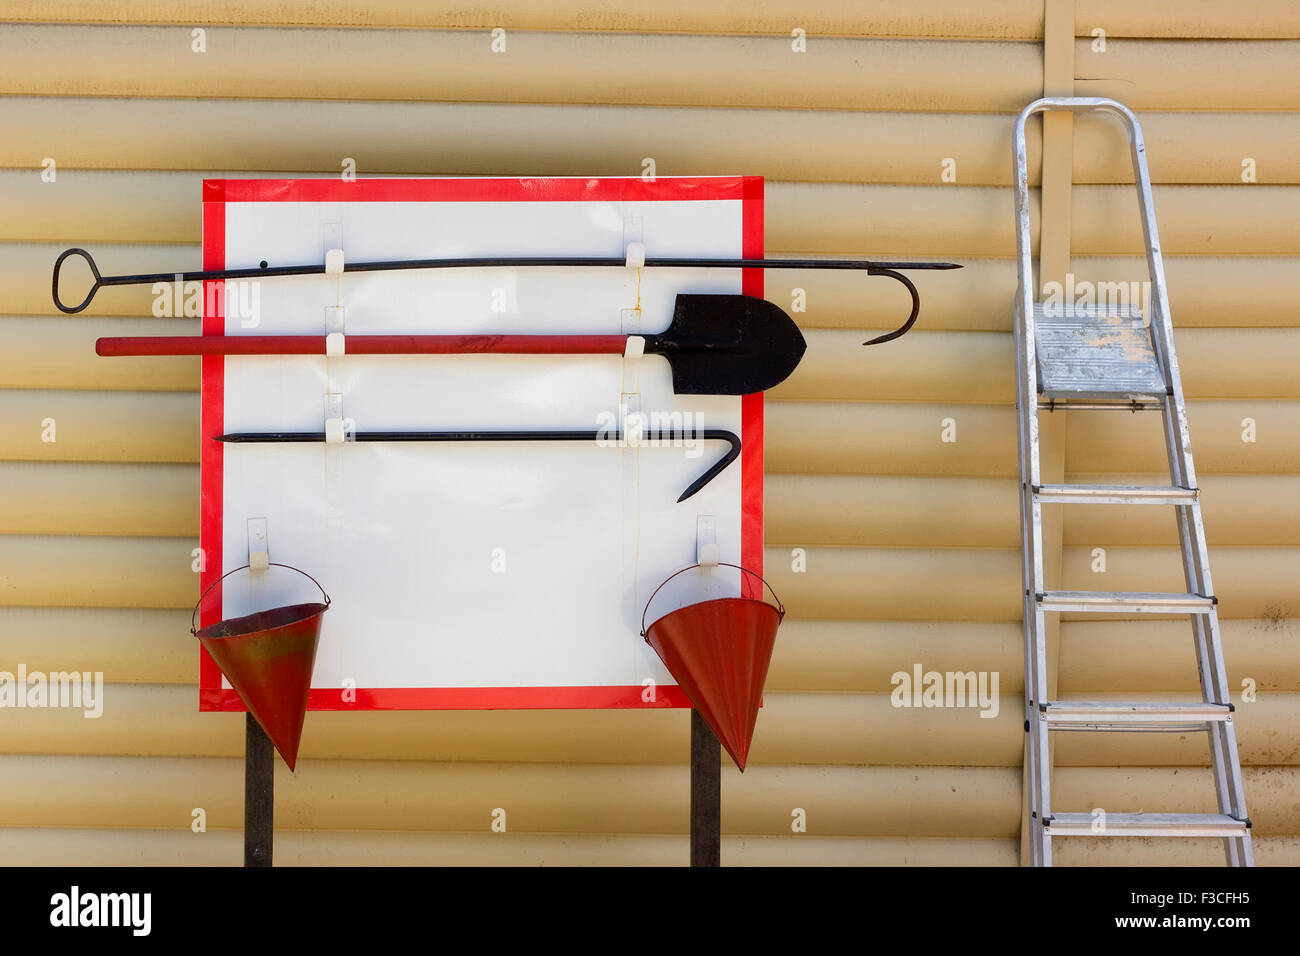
[1147,825]
[1053,405]
[1126,601]
[1116,494]
[1133,715]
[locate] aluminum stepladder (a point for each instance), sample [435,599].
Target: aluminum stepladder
[1095,359]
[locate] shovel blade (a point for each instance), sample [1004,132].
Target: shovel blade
[728,345]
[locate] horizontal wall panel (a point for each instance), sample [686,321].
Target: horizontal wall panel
[1249,582]
[1238,363]
[50,498]
[890,510]
[299,138]
[1010,19]
[710,70]
[1158,655]
[99,426]
[826,218]
[1123,443]
[1169,851]
[536,67]
[974,367]
[49,846]
[1189,18]
[1178,149]
[573,798]
[908,584]
[833,729]
[873,651]
[67,571]
[1193,220]
[870,438]
[956,221]
[1195,74]
[125,644]
[296,138]
[45,353]
[926,221]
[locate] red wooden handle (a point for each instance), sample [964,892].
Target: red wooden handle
[363,344]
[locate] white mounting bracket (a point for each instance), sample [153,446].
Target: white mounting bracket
[707,552]
[631,422]
[334,430]
[259,553]
[632,242]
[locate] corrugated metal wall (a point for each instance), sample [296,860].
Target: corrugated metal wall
[910,542]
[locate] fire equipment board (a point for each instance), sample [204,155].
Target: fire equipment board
[472,575]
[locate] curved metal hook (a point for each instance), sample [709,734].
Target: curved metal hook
[94,270]
[719,434]
[916,305]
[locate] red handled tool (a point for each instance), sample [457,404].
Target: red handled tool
[715,345]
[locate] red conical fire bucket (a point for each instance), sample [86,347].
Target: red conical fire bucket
[268,659]
[718,651]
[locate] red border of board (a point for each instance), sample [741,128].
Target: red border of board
[217,192]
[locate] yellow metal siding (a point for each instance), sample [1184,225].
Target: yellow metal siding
[911,543]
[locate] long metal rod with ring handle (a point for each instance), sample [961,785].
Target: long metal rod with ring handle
[871,267]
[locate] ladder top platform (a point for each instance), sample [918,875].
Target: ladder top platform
[1095,352]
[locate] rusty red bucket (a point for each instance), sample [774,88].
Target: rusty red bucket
[268,658]
[719,651]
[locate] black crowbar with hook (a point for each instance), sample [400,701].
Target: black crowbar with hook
[654,437]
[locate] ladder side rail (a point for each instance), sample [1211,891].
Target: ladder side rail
[1035,755]
[1031,516]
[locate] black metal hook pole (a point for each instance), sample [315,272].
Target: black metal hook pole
[872,267]
[708,434]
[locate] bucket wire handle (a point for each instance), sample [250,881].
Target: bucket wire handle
[271,564]
[780,608]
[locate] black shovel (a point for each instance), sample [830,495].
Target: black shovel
[715,345]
